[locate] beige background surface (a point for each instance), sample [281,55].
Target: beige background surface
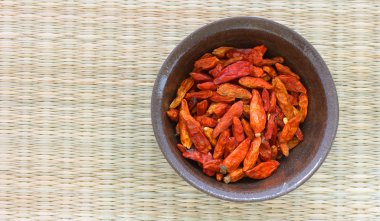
[76,136]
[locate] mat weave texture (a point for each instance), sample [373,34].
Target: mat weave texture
[76,141]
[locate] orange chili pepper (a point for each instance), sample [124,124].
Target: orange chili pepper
[206,63]
[237,129]
[225,63]
[220,145]
[219,98]
[271,61]
[256,55]
[282,69]
[290,129]
[206,121]
[183,133]
[272,102]
[173,114]
[252,82]
[235,111]
[216,71]
[233,160]
[221,51]
[197,156]
[196,134]
[219,109]
[208,133]
[270,70]
[257,72]
[263,170]
[292,83]
[303,103]
[252,155]
[234,176]
[282,97]
[207,86]
[231,90]
[247,129]
[181,92]
[257,113]
[246,110]
[284,149]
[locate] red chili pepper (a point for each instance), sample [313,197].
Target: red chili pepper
[290,128]
[220,145]
[271,61]
[282,97]
[213,165]
[272,102]
[299,134]
[181,148]
[235,111]
[173,114]
[219,109]
[263,170]
[221,51]
[270,71]
[206,121]
[265,151]
[181,92]
[234,71]
[230,146]
[265,97]
[282,69]
[271,127]
[216,71]
[234,176]
[199,94]
[252,155]
[197,156]
[207,86]
[199,77]
[233,160]
[303,103]
[254,82]
[247,129]
[206,63]
[257,113]
[219,98]
[202,107]
[195,131]
[237,129]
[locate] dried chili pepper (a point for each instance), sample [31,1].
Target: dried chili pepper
[252,82]
[206,121]
[207,86]
[225,63]
[216,71]
[208,172]
[202,107]
[173,114]
[213,165]
[234,176]
[290,128]
[199,77]
[303,103]
[197,156]
[257,113]
[265,152]
[220,145]
[232,90]
[270,71]
[199,94]
[183,133]
[272,102]
[219,176]
[263,170]
[196,134]
[271,130]
[292,83]
[208,133]
[284,149]
[221,51]
[282,97]
[230,146]
[265,97]
[233,160]
[206,63]
[234,71]
[252,154]
[282,69]
[247,129]
[274,151]
[181,92]
[293,143]
[271,61]
[235,111]
[299,134]
[256,55]
[246,109]
[219,109]
[219,98]
[181,148]
[237,129]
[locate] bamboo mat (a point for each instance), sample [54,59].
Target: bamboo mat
[75,129]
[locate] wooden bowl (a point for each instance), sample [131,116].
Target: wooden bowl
[319,128]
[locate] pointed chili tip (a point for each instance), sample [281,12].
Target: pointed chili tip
[227,179]
[223,169]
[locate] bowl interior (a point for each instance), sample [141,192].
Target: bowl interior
[300,58]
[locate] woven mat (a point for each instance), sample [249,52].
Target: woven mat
[75,129]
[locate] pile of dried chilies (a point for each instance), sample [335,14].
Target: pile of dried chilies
[238,113]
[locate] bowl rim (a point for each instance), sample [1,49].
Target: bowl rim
[326,142]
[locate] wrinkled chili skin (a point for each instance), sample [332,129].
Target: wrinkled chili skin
[233,160]
[235,111]
[257,112]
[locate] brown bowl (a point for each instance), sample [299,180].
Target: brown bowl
[319,128]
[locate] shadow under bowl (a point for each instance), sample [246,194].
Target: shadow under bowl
[319,127]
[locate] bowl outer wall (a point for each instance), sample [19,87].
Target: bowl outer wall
[157,110]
